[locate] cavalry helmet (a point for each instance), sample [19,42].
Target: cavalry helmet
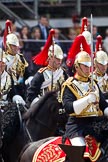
[12,39]
[56,51]
[101,57]
[83,58]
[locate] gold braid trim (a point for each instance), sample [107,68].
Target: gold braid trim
[74,90]
[71,86]
[84,113]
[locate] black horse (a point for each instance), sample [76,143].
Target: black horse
[46,117]
[20,141]
[40,121]
[28,154]
[98,129]
[12,128]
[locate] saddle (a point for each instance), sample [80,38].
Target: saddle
[50,151]
[55,151]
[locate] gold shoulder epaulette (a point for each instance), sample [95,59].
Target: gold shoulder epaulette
[66,83]
[69,81]
[41,70]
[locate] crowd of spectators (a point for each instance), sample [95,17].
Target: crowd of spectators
[33,39]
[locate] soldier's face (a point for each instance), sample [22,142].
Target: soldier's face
[83,70]
[55,62]
[102,68]
[14,49]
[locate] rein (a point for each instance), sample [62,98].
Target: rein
[23,123]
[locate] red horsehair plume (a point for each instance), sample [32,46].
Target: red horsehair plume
[76,48]
[84,24]
[7,31]
[98,43]
[41,58]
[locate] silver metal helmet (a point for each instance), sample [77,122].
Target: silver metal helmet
[101,57]
[58,53]
[12,39]
[83,58]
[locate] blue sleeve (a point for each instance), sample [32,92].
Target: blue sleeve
[68,99]
[34,89]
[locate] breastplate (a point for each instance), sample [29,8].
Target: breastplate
[82,89]
[53,81]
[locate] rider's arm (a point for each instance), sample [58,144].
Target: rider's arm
[34,89]
[68,99]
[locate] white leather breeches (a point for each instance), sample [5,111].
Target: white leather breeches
[78,141]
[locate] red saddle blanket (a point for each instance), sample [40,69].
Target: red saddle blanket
[50,152]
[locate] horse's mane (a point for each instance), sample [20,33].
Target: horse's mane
[32,110]
[10,122]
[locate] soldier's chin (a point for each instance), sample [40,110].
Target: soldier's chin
[86,75]
[13,54]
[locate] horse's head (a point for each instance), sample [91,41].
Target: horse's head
[44,114]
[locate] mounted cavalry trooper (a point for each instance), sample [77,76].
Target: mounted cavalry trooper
[8,90]
[85,104]
[49,77]
[101,66]
[16,63]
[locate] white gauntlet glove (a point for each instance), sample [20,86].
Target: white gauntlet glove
[18,99]
[80,104]
[92,97]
